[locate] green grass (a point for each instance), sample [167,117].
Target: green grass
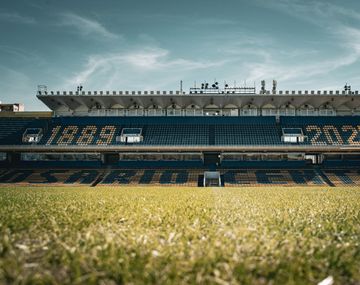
[150,235]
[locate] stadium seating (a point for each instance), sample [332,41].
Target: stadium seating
[322,131]
[180,177]
[270,177]
[52,176]
[11,130]
[176,135]
[254,134]
[343,176]
[165,131]
[82,131]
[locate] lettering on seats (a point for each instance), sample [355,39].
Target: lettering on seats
[305,177]
[67,135]
[82,135]
[342,175]
[270,177]
[328,131]
[54,133]
[106,135]
[315,139]
[237,177]
[354,134]
[83,177]
[49,177]
[167,177]
[16,176]
[119,177]
[147,177]
[332,135]
[87,135]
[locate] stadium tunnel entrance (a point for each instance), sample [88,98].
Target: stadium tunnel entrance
[212,159]
[211,179]
[110,158]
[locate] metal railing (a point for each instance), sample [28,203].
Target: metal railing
[180,148]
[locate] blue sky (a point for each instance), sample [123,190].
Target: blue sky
[152,45]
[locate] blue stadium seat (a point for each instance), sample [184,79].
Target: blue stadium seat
[164,130]
[323,131]
[183,177]
[11,130]
[82,131]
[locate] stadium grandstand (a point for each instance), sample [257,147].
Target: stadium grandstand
[209,136]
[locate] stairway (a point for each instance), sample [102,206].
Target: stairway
[211,135]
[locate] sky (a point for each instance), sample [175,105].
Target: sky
[152,45]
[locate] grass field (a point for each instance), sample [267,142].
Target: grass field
[179,235]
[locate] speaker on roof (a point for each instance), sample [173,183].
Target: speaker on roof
[262,86]
[274,86]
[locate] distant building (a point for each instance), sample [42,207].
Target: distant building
[16,107]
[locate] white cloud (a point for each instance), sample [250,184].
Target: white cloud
[21,54]
[187,19]
[16,18]
[18,87]
[144,68]
[311,64]
[85,26]
[147,59]
[321,13]
[331,11]
[284,72]
[241,57]
[156,68]
[350,38]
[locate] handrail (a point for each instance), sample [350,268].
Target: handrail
[179,148]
